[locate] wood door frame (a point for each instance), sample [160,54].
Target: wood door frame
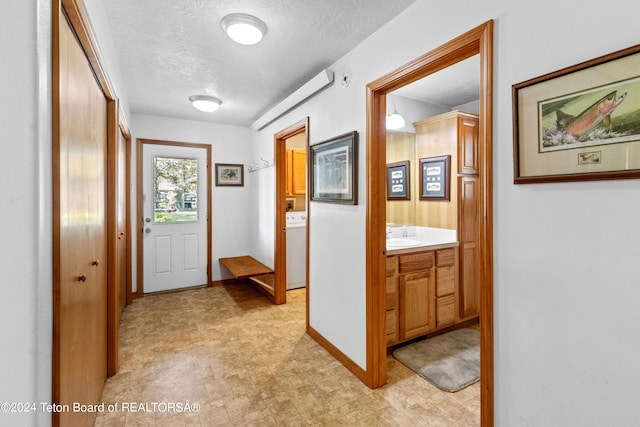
[127,136]
[280,250]
[139,211]
[477,41]
[116,126]
[76,14]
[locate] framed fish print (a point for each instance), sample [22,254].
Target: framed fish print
[579,123]
[398,181]
[435,178]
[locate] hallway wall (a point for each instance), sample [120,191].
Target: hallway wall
[564,254]
[25,182]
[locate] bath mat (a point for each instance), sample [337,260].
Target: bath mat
[450,361]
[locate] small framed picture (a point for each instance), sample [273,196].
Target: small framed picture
[229,175]
[398,181]
[435,177]
[334,170]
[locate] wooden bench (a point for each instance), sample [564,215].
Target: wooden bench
[246,267]
[243,267]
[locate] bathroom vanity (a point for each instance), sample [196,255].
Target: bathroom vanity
[422,290]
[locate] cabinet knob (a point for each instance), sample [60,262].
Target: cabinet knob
[82,278]
[95,263]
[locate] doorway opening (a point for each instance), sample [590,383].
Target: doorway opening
[290,148]
[478,41]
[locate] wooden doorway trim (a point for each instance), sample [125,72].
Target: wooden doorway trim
[477,41]
[280,250]
[139,215]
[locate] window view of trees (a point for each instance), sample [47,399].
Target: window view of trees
[175,189]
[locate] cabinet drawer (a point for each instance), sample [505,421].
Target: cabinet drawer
[392,321]
[392,265]
[445,280]
[415,262]
[392,327]
[445,257]
[445,311]
[392,292]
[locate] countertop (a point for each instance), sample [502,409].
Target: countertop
[429,238]
[426,246]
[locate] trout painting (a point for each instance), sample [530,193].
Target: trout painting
[580,123]
[598,116]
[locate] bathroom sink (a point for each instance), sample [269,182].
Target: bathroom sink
[398,242]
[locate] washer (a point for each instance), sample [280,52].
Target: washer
[296,250]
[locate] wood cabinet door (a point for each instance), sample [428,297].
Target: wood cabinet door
[299,171]
[469,292]
[417,304]
[289,164]
[468,145]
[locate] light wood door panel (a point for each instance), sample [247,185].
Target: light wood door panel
[469,246]
[417,304]
[121,221]
[80,319]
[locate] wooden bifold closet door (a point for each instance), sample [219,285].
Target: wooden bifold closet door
[80,239]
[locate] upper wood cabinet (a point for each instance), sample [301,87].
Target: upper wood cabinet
[296,172]
[467,144]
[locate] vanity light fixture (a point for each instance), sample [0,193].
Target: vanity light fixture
[395,120]
[205,103]
[244,29]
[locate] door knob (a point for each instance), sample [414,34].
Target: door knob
[147,230]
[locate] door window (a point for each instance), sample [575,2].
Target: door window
[175,189]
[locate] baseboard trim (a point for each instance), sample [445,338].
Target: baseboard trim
[353,367]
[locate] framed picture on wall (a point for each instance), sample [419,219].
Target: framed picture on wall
[579,123]
[229,175]
[398,181]
[334,170]
[435,178]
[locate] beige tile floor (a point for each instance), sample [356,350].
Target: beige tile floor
[246,362]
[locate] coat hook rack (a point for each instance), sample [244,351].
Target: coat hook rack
[255,166]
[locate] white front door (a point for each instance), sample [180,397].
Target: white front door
[174,198]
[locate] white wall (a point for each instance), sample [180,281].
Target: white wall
[565,284]
[231,206]
[25,177]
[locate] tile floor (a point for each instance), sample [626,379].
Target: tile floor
[246,362]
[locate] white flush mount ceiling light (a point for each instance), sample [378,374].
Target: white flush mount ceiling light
[205,103]
[395,120]
[244,29]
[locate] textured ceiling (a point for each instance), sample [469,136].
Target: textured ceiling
[172,49]
[456,85]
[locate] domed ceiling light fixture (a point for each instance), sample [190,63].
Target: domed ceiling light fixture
[395,120]
[205,103]
[244,29]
